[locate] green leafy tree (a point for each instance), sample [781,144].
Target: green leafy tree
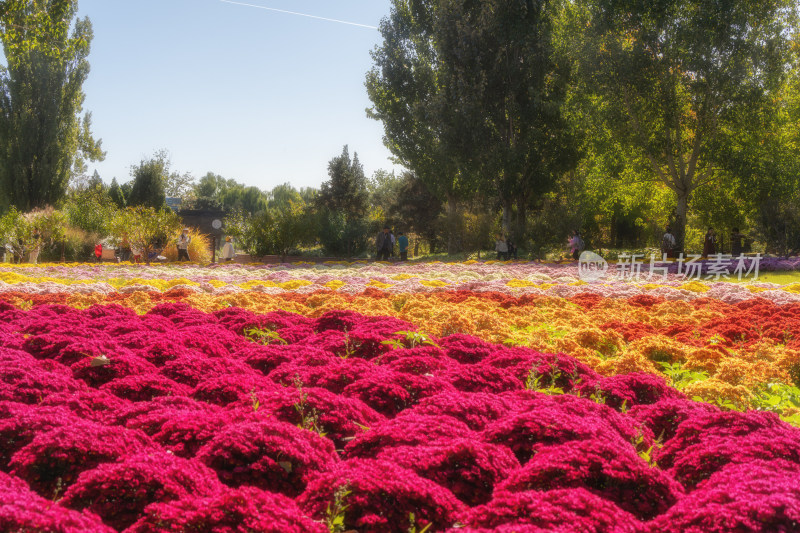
[150,181]
[180,186]
[423,124]
[209,189]
[213,191]
[415,210]
[499,60]
[42,135]
[384,189]
[26,232]
[676,79]
[343,204]
[91,209]
[145,227]
[346,190]
[116,194]
[246,232]
[470,95]
[290,219]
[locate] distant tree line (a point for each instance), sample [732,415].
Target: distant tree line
[531,118]
[611,116]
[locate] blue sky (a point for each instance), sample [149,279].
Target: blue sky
[255,95]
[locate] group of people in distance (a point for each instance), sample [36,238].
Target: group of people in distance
[385,242]
[505,248]
[669,244]
[126,252]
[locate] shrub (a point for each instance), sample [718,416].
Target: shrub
[380,497]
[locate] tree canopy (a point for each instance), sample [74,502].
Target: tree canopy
[679,78]
[43,137]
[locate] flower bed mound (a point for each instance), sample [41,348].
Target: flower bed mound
[21,511]
[181,420]
[119,492]
[381,497]
[55,457]
[268,454]
[758,496]
[243,510]
[604,468]
[469,469]
[569,510]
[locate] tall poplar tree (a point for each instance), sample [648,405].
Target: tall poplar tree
[42,134]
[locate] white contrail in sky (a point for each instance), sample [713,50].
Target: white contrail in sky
[300,14]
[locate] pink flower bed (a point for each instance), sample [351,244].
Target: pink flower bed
[177,421]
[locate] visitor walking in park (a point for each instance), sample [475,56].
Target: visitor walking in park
[227,250]
[402,243]
[501,247]
[98,251]
[383,244]
[576,244]
[710,243]
[183,245]
[668,243]
[512,249]
[394,240]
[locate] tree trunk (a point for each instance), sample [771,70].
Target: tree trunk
[452,213]
[522,221]
[680,220]
[507,212]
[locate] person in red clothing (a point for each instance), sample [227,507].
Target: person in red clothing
[98,251]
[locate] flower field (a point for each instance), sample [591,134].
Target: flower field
[380,398]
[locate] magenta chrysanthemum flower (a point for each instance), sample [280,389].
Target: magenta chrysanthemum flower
[608,469]
[708,428]
[407,430]
[631,389]
[185,432]
[339,418]
[390,392]
[145,387]
[558,370]
[230,388]
[313,369]
[119,492]
[119,365]
[243,510]
[23,511]
[548,420]
[482,378]
[380,497]
[20,423]
[470,469]
[91,404]
[666,415]
[190,367]
[567,510]
[466,349]
[757,496]
[475,409]
[29,384]
[238,320]
[53,460]
[268,454]
[149,416]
